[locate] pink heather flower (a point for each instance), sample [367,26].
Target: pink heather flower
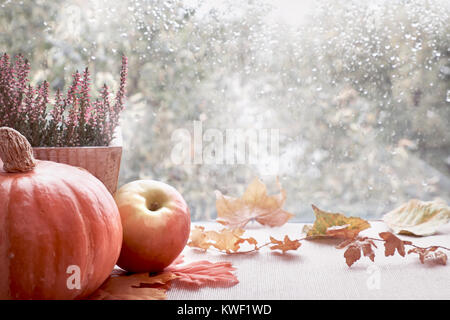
[74,120]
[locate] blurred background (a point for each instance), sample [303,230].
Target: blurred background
[359,90]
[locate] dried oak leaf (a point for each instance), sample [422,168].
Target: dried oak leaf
[354,248]
[392,243]
[285,245]
[334,225]
[418,218]
[430,254]
[202,273]
[228,240]
[255,204]
[137,286]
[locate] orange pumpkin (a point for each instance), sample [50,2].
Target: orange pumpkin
[60,229]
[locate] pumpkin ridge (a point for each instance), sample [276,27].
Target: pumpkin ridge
[96,217]
[5,213]
[87,234]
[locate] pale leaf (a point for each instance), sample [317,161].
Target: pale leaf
[418,218]
[228,240]
[255,204]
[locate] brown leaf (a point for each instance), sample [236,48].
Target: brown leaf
[352,254]
[138,286]
[255,204]
[430,254]
[335,225]
[343,232]
[368,251]
[228,240]
[285,245]
[393,243]
[357,244]
[202,273]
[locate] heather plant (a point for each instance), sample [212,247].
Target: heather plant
[73,119]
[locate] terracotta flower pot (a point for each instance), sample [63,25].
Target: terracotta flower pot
[102,162]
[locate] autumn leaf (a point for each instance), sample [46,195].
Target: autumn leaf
[138,286]
[144,286]
[228,240]
[199,238]
[354,248]
[285,245]
[418,218]
[255,204]
[352,254]
[430,254]
[202,273]
[335,225]
[392,243]
[368,251]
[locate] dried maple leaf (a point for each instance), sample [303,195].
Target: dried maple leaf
[228,240]
[337,225]
[255,204]
[201,273]
[138,286]
[430,254]
[392,243]
[354,248]
[418,218]
[199,238]
[285,245]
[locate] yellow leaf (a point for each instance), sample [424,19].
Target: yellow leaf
[418,218]
[334,225]
[255,204]
[227,240]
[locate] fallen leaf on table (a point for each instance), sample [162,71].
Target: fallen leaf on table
[285,245]
[255,204]
[334,225]
[354,248]
[228,240]
[352,254]
[199,238]
[392,243]
[418,218]
[202,273]
[137,286]
[430,254]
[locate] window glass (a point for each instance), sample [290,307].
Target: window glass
[346,102]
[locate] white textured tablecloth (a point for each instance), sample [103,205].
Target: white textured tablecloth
[317,270]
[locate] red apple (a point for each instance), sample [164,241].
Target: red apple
[156,225]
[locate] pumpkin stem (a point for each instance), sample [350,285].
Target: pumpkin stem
[15,151]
